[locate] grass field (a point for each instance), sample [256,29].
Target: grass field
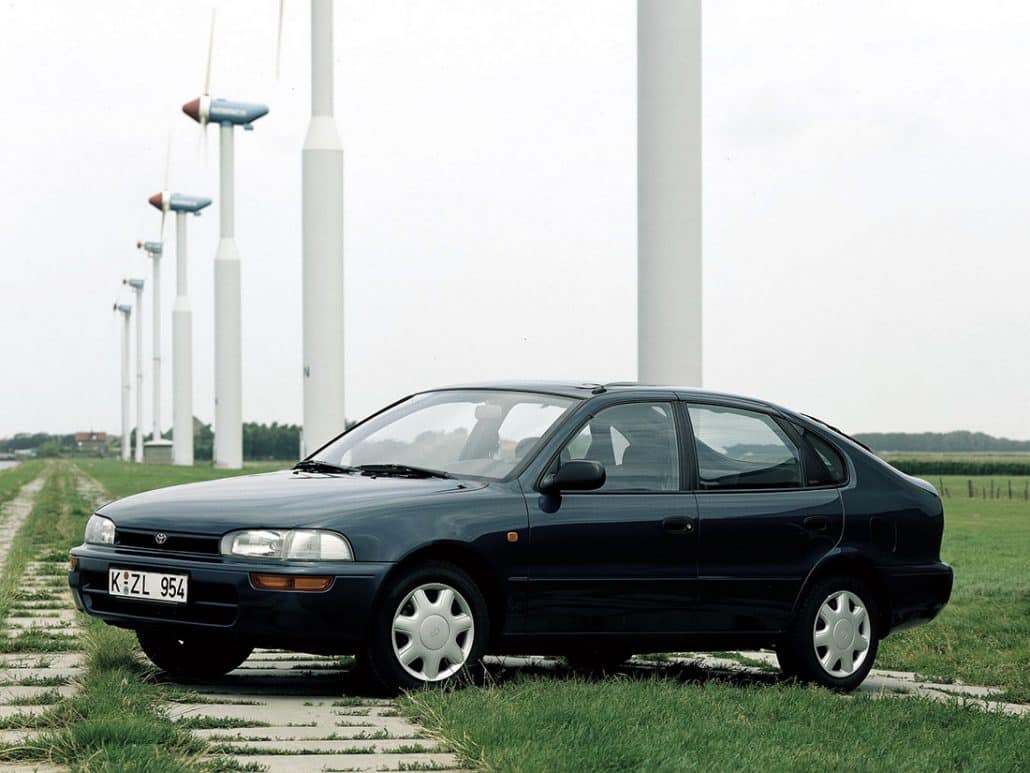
[678,722]
[121,479]
[981,637]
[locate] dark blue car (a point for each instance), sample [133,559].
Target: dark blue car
[584,520]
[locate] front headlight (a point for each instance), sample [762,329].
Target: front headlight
[292,545]
[99,530]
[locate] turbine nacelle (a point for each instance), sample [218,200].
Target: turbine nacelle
[205,110]
[135,284]
[151,248]
[123,308]
[178,202]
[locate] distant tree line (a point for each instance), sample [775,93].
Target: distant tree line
[260,442]
[941,442]
[960,466]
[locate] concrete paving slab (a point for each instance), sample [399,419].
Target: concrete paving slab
[390,727]
[11,677]
[23,693]
[6,712]
[340,746]
[28,660]
[305,763]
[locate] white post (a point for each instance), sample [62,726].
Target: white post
[182,355]
[322,202]
[156,298]
[228,450]
[126,386]
[139,372]
[669,191]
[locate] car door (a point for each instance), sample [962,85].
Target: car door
[621,559]
[761,527]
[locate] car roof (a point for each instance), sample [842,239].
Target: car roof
[584,389]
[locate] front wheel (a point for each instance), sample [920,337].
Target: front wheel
[834,637]
[429,629]
[193,656]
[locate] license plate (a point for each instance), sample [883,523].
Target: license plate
[149,586]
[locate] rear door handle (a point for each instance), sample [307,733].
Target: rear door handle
[817,523]
[678,525]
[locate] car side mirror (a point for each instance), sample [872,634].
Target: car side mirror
[575,475]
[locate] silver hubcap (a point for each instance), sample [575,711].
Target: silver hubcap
[841,634]
[433,632]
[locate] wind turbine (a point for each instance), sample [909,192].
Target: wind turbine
[126,312]
[228,450]
[137,288]
[322,206]
[669,191]
[182,324]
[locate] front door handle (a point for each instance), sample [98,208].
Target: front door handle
[818,523]
[678,525]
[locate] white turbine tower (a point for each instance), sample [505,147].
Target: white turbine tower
[669,191]
[126,312]
[182,324]
[228,450]
[154,250]
[137,288]
[322,205]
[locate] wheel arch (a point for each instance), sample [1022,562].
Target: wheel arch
[469,560]
[850,563]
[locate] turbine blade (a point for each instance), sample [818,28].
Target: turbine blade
[210,52]
[279,38]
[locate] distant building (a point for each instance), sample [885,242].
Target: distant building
[95,442]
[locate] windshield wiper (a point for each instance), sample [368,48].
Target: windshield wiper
[403,470]
[314,465]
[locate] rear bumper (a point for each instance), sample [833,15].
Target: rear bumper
[917,593]
[222,598]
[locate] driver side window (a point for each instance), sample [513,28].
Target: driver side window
[636,443]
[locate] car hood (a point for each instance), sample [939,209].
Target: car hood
[283,499]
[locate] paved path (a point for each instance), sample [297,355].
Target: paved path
[31,679]
[291,712]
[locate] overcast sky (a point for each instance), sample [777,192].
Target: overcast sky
[866,188]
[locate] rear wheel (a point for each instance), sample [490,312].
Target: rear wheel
[430,629]
[193,656]
[834,638]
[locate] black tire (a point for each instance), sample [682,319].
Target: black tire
[193,656]
[597,661]
[799,653]
[381,660]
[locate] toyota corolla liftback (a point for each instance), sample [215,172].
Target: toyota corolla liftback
[584,520]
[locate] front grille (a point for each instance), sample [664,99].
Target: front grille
[195,544]
[210,603]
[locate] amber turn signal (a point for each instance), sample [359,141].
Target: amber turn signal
[73,563]
[290,582]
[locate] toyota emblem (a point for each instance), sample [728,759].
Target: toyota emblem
[160,538]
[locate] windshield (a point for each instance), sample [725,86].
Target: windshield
[477,432]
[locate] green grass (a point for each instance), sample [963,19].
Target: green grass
[983,635]
[546,723]
[121,479]
[51,521]
[13,478]
[113,722]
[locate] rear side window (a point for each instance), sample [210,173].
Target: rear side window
[830,468]
[738,449]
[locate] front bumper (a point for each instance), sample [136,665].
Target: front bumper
[222,598]
[917,593]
